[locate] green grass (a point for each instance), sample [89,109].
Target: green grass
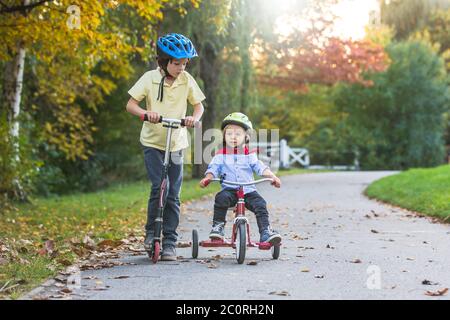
[422,190]
[114,213]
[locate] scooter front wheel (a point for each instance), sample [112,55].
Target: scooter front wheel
[156,250]
[241,242]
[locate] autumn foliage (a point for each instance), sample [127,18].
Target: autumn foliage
[320,60]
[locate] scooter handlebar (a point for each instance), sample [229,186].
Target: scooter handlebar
[169,121]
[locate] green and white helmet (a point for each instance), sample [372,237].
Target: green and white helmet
[239,119]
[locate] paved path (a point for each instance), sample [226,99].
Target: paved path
[337,244]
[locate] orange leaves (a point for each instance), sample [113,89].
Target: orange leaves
[48,249]
[322,59]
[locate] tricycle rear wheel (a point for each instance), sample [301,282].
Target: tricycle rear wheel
[194,244]
[275,251]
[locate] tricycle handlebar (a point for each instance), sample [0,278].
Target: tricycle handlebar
[242,183]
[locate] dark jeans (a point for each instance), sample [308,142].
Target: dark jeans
[253,201]
[154,159]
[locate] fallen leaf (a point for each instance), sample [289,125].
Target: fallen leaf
[280,293]
[65,290]
[374,231]
[60,279]
[305,270]
[356,261]
[109,243]
[49,246]
[64,262]
[87,241]
[212,266]
[183,244]
[319,276]
[429,283]
[121,277]
[98,289]
[441,292]
[3,261]
[252,263]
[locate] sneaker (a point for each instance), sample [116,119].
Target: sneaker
[217,231]
[271,236]
[169,254]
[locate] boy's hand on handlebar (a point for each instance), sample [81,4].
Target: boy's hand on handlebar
[276,182]
[189,122]
[204,182]
[153,117]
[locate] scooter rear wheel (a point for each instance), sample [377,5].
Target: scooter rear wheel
[156,250]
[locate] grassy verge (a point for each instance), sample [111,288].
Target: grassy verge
[112,214]
[422,190]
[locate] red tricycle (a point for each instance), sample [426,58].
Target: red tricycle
[240,235]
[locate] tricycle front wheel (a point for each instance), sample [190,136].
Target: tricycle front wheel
[241,242]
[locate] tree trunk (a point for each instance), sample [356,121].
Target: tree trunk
[209,73]
[13,80]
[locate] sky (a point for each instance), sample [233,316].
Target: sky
[353,16]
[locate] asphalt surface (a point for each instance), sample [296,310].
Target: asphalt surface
[337,244]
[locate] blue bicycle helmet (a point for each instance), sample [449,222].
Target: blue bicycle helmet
[177,46]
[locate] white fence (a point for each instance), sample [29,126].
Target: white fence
[279,155]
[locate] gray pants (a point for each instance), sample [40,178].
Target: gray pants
[154,159]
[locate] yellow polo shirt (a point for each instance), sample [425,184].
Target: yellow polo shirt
[174,105]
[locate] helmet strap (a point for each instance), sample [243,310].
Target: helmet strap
[161,84]
[161,89]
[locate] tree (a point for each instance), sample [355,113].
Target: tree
[310,54]
[408,16]
[208,28]
[398,123]
[64,42]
